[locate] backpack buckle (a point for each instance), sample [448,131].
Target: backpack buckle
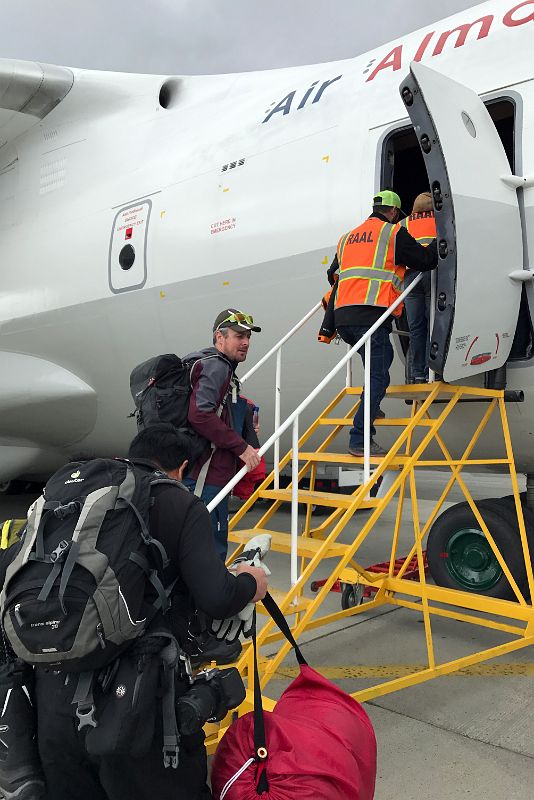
[59,552]
[170,755]
[61,512]
[86,716]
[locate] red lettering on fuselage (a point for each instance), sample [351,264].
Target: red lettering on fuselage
[520,14]
[393,59]
[462,31]
[511,21]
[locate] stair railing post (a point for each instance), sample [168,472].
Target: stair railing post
[295,502]
[277,399]
[367,413]
[433,279]
[348,376]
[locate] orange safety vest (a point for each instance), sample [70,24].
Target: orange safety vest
[422,227]
[368,275]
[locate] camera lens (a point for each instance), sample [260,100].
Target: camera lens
[195,708]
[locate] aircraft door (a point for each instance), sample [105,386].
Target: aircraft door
[127,248]
[478,225]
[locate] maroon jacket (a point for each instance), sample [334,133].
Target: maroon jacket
[210,381]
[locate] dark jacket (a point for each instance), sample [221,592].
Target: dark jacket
[180,521]
[408,253]
[210,381]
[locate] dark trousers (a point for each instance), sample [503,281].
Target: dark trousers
[381,358]
[417,306]
[219,516]
[71,775]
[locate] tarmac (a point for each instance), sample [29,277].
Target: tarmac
[462,736]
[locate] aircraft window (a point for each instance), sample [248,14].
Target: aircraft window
[127,257]
[403,169]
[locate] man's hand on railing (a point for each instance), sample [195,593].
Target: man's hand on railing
[250,457]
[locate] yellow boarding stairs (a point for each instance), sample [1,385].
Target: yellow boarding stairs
[418,437]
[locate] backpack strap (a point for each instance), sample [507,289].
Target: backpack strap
[152,576]
[85,704]
[203,474]
[145,534]
[171,736]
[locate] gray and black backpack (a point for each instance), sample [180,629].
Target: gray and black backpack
[87,578]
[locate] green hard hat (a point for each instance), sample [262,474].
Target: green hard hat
[387,198]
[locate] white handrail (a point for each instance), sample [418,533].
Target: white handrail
[313,394]
[293,419]
[278,382]
[281,343]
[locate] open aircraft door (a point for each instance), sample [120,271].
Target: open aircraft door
[478,225]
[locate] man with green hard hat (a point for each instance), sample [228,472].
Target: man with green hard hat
[372,260]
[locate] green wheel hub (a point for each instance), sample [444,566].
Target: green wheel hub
[471,561]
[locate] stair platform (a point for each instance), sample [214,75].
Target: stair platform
[346,458]
[391,422]
[281,542]
[330,499]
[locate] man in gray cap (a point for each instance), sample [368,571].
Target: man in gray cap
[214,391]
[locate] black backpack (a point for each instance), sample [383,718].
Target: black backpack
[87,578]
[161,388]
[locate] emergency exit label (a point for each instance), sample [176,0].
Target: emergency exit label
[223,225]
[131,219]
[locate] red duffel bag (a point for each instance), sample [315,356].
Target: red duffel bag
[317,744]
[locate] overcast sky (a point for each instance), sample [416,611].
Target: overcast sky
[206,36]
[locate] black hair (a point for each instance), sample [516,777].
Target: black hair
[382,209]
[163,444]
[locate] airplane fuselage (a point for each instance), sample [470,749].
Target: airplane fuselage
[140,206]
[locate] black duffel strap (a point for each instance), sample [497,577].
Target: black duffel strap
[260,744]
[277,617]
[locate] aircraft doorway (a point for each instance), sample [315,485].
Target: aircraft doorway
[403,169]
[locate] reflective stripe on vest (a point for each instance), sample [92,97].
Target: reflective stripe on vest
[421,226]
[368,274]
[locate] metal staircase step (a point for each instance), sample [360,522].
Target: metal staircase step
[331,499]
[420,391]
[279,595]
[281,542]
[346,458]
[399,422]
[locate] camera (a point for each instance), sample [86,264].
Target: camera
[212,694]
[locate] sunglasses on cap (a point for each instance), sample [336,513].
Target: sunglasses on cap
[236,318]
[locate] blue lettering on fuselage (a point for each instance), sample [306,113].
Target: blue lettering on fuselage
[285,104]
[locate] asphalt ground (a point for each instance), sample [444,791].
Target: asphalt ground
[466,735]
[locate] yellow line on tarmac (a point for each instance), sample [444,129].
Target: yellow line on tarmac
[399,670]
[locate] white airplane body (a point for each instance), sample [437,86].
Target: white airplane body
[232,191]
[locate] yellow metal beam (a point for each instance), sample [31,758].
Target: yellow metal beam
[321,543]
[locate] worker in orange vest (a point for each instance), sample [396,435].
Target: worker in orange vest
[372,260]
[422,225]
